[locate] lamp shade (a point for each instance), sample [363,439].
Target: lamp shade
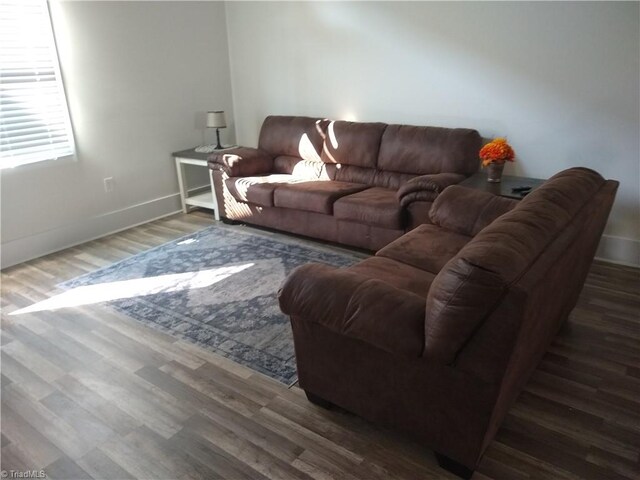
[216,119]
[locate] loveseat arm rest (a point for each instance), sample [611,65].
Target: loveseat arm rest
[467,211]
[356,306]
[426,187]
[242,162]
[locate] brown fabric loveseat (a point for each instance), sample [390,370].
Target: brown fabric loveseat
[437,333]
[360,184]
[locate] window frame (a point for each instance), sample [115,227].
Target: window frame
[16,157]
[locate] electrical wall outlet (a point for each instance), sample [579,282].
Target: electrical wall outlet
[108,184]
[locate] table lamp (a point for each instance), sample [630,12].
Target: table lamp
[217,120]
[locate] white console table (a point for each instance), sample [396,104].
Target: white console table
[206,199]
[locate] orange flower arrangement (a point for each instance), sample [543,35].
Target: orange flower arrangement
[496,151]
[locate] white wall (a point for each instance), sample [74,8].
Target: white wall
[560,80]
[139,77]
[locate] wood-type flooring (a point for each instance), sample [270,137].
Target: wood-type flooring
[89,393]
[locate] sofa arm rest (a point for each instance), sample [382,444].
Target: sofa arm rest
[242,162]
[426,187]
[466,210]
[356,306]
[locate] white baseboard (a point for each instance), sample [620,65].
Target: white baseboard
[620,250]
[50,241]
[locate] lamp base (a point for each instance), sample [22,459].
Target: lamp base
[218,146]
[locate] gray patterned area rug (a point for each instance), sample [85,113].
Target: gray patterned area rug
[217,288]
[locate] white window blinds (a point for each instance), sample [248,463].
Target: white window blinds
[34,118]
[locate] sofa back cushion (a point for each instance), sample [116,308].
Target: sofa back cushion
[425,150]
[352,143]
[290,136]
[471,285]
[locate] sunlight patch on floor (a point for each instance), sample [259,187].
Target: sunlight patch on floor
[104,292]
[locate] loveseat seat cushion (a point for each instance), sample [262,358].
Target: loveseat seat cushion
[300,137]
[352,143]
[257,190]
[316,196]
[423,150]
[398,274]
[373,206]
[428,247]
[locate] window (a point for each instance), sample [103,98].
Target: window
[34,118]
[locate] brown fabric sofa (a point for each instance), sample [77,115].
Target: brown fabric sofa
[437,333]
[360,184]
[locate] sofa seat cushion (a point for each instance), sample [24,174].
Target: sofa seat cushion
[396,274]
[428,247]
[257,190]
[373,206]
[316,196]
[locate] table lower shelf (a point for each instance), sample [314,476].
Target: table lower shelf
[204,200]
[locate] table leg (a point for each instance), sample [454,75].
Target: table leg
[181,184]
[216,210]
